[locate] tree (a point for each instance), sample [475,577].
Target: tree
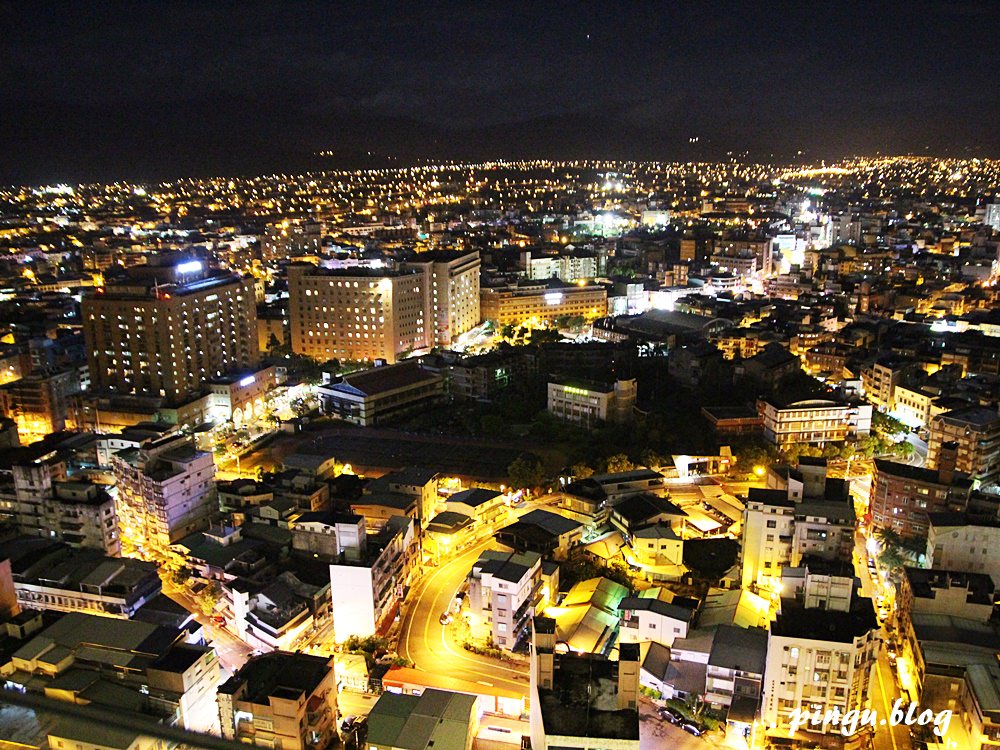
[618,463]
[887,425]
[491,425]
[525,473]
[581,471]
[208,598]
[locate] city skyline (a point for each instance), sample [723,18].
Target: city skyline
[150,92]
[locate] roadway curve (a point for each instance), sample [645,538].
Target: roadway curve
[432,647]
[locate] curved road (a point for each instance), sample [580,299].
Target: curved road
[433,647]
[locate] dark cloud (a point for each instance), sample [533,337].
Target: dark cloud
[148,90]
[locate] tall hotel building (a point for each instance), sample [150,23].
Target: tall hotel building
[365,314]
[168,327]
[452,300]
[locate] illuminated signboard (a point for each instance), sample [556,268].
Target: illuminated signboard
[192,266]
[248,380]
[577,391]
[553,298]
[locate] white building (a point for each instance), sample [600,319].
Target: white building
[504,589]
[591,404]
[956,542]
[818,659]
[814,421]
[451,281]
[365,594]
[803,514]
[566,267]
[648,617]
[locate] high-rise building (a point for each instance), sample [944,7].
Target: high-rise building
[451,298]
[360,314]
[168,327]
[166,490]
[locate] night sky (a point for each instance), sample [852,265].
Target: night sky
[98,91]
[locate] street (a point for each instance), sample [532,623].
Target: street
[433,647]
[232,652]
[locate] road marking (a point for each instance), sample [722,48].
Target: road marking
[478,667]
[885,701]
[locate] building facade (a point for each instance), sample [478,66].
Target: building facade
[166,490]
[975,431]
[815,421]
[591,404]
[168,328]
[539,304]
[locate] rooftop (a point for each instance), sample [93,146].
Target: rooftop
[381,380]
[280,674]
[436,718]
[583,701]
[796,621]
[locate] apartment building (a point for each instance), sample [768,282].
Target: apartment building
[365,594]
[504,591]
[166,490]
[85,658]
[38,402]
[281,700]
[41,501]
[169,327]
[881,378]
[975,431]
[903,496]
[803,514]
[959,542]
[567,267]
[821,659]
[50,575]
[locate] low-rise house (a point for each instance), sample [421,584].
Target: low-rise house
[434,719]
[281,700]
[656,614]
[544,532]
[379,395]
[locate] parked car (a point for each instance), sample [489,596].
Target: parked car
[348,723]
[669,715]
[445,618]
[692,728]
